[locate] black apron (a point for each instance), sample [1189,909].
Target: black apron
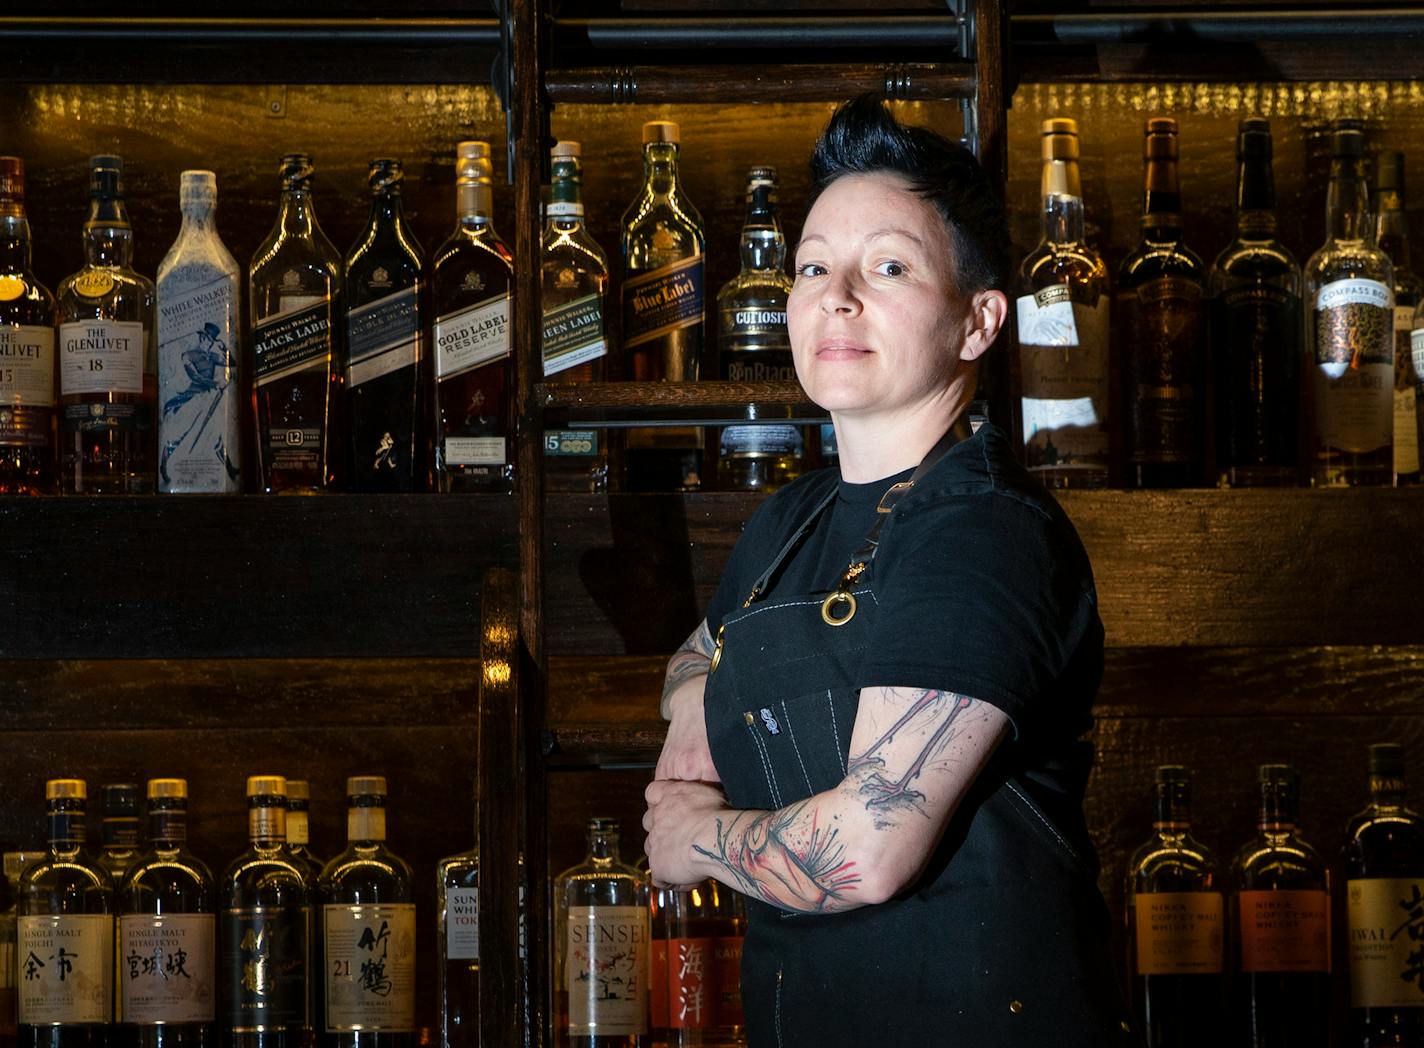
[1003,941]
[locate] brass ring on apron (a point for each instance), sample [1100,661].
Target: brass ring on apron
[832,600]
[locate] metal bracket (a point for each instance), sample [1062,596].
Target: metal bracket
[276,101]
[964,11]
[502,81]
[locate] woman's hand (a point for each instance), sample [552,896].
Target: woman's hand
[679,815]
[685,754]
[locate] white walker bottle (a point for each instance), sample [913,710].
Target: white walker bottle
[199,395]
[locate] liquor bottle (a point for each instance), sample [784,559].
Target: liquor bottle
[457,888]
[601,935]
[199,335]
[297,316]
[1255,331]
[108,379]
[1384,891]
[696,988]
[299,824]
[385,343]
[753,346]
[1392,237]
[1161,329]
[1062,311]
[28,425]
[472,276]
[1349,330]
[167,942]
[1175,925]
[574,288]
[65,941]
[265,932]
[663,244]
[119,830]
[8,968]
[1280,920]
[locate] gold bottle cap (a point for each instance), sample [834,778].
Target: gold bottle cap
[472,164]
[366,786]
[56,789]
[266,786]
[298,790]
[660,131]
[1060,139]
[566,149]
[167,788]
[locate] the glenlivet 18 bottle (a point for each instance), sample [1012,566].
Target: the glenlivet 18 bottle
[1392,237]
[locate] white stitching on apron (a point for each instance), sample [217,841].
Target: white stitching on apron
[765,765]
[1040,816]
[759,608]
[791,734]
[831,705]
[779,972]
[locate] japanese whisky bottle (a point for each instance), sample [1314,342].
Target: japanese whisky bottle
[119,830]
[695,978]
[457,891]
[299,825]
[1392,237]
[8,968]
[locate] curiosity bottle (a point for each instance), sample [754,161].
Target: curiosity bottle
[1392,237]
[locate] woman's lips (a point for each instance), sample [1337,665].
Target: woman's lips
[840,351]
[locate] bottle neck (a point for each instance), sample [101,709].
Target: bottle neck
[168,827]
[1174,811]
[198,217]
[66,829]
[1062,219]
[474,204]
[295,216]
[763,248]
[1347,203]
[108,237]
[386,210]
[603,848]
[660,167]
[267,826]
[15,250]
[1387,791]
[120,831]
[1255,198]
[1162,200]
[1392,229]
[365,825]
[298,833]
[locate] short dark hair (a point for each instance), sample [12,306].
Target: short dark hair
[864,138]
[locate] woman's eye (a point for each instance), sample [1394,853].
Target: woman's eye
[810,269]
[890,268]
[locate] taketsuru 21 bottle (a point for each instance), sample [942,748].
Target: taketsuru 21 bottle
[1392,237]
[1062,313]
[297,312]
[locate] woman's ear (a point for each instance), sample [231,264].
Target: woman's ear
[988,310]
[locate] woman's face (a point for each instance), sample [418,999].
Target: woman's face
[874,317]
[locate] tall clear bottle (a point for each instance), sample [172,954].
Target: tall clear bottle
[753,346]
[65,942]
[601,936]
[1175,925]
[28,422]
[1384,891]
[457,890]
[199,335]
[1280,926]
[1255,331]
[297,316]
[1392,237]
[472,276]
[120,829]
[1063,342]
[108,377]
[663,245]
[574,288]
[167,941]
[1349,330]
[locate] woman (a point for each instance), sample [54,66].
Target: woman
[874,735]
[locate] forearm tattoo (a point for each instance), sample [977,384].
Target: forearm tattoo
[785,858]
[933,716]
[690,660]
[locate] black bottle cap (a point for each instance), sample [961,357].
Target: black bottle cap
[1173,773]
[1347,138]
[1387,760]
[1391,172]
[106,175]
[1277,773]
[121,799]
[296,167]
[385,174]
[1253,138]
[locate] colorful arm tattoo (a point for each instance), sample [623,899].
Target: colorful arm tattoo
[691,660]
[785,858]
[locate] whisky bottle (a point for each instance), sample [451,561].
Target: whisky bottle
[8,1030]
[368,923]
[65,938]
[1349,330]
[1062,313]
[1255,331]
[167,942]
[297,314]
[699,980]
[28,424]
[299,824]
[385,343]
[663,311]
[1161,329]
[1392,237]
[472,274]
[108,379]
[457,889]
[574,287]
[1384,891]
[265,932]
[1280,921]
[119,830]
[601,935]
[199,335]
[753,346]
[1175,925]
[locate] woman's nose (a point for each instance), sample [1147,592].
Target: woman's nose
[841,294]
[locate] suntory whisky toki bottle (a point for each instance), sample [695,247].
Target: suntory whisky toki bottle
[108,380]
[1392,237]
[200,397]
[457,890]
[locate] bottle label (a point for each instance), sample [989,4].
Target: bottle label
[1406,426]
[382,336]
[87,418]
[1284,931]
[727,955]
[166,967]
[1179,933]
[472,337]
[1354,355]
[563,209]
[1386,916]
[101,356]
[571,443]
[1063,358]
[766,365]
[198,435]
[691,981]
[94,283]
[474,451]
[295,340]
[26,367]
[1416,352]
[462,924]
[66,972]
[573,334]
[7,977]
[606,971]
[1164,368]
[266,961]
[370,967]
[11,287]
[762,441]
[662,301]
[750,328]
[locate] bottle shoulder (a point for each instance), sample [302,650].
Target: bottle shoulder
[1280,860]
[1251,261]
[1348,260]
[365,867]
[197,256]
[572,245]
[1156,260]
[267,866]
[465,247]
[1051,264]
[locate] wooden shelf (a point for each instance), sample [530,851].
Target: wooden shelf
[623,404]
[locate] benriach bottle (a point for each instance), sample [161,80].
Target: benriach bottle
[28,423]
[385,343]
[1392,237]
[119,829]
[1280,926]
[1349,330]
[1063,343]
[167,942]
[457,890]
[471,277]
[297,318]
[199,335]
[65,944]
[1384,892]
[601,935]
[574,289]
[1255,331]
[1175,925]
[108,378]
